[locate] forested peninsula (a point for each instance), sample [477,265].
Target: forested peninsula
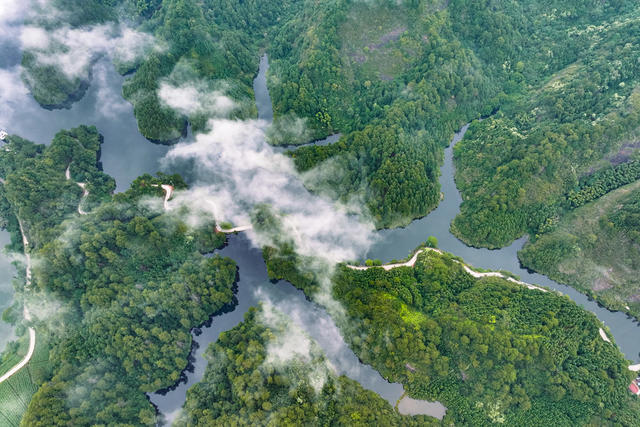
[491,350]
[114,292]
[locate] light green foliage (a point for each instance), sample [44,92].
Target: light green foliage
[515,168]
[16,392]
[595,249]
[486,348]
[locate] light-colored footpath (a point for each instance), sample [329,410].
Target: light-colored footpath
[414,258]
[26,314]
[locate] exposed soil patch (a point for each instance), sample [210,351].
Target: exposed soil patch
[624,154]
[600,284]
[391,36]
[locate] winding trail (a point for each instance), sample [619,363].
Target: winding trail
[604,336]
[168,192]
[83,185]
[234,229]
[477,274]
[26,314]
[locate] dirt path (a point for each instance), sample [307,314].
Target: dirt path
[388,267]
[26,314]
[234,229]
[414,258]
[168,192]
[85,193]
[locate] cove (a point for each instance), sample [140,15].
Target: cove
[125,153]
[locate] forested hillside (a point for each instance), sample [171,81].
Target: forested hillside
[490,350]
[255,377]
[115,291]
[515,167]
[397,79]
[595,249]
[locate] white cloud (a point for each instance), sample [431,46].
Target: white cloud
[192,99]
[291,348]
[73,49]
[34,38]
[237,170]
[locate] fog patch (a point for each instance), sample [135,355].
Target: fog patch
[290,348]
[188,94]
[236,170]
[72,50]
[13,94]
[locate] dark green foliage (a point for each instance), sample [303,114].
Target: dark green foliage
[603,181]
[129,282]
[627,218]
[36,187]
[50,86]
[241,388]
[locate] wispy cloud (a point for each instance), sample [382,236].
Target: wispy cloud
[72,50]
[237,170]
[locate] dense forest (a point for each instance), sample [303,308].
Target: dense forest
[119,289]
[397,79]
[210,44]
[248,381]
[514,168]
[490,350]
[116,291]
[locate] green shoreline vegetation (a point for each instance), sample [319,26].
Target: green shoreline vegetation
[490,350]
[115,292]
[397,80]
[246,384]
[595,249]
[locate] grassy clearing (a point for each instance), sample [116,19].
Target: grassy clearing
[371,40]
[590,255]
[16,392]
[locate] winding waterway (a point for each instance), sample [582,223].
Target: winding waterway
[253,287]
[396,243]
[126,155]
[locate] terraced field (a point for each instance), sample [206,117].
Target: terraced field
[16,392]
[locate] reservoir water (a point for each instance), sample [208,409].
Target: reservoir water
[126,155]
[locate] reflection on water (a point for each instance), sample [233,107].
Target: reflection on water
[253,287]
[125,155]
[409,406]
